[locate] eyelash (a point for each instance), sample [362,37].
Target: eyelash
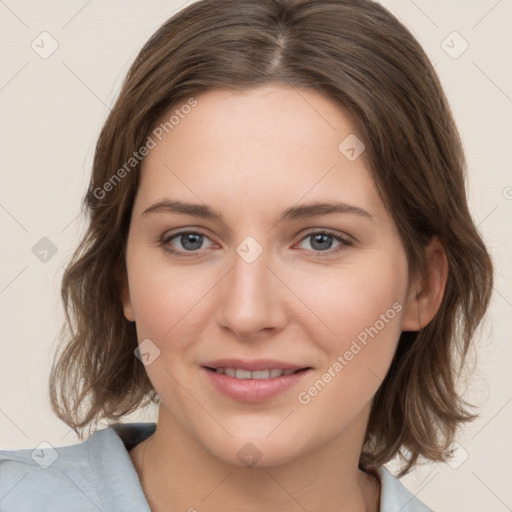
[165,240]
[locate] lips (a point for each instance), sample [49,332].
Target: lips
[253,365]
[253,381]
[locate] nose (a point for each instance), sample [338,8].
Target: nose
[251,298]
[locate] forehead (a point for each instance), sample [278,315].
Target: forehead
[271,119]
[267,144]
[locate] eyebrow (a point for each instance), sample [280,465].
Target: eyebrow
[204,211]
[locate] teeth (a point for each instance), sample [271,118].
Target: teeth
[243,374]
[261,374]
[238,373]
[230,372]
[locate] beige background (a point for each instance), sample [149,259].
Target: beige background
[51,112]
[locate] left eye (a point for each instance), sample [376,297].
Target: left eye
[192,241]
[321,241]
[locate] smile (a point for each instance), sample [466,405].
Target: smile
[239,373]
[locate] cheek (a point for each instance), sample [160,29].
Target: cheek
[353,297]
[167,299]
[361,304]
[357,317]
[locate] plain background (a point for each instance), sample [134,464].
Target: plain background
[52,110]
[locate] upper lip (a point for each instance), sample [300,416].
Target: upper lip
[253,365]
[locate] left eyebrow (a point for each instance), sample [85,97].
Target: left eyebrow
[293,213]
[317,209]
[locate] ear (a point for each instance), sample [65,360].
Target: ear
[125,298]
[426,294]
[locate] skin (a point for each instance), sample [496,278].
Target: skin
[250,155]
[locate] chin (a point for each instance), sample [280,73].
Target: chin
[257,451]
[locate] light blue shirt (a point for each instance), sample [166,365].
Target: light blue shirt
[98,475]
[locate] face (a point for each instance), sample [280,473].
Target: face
[265,280]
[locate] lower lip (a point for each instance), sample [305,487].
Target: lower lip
[253,390]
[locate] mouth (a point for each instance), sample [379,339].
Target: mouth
[253,385]
[270,373]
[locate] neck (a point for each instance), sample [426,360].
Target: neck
[178,473]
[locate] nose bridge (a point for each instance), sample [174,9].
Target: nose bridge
[250,298]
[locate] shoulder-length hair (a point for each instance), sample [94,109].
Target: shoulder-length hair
[359,55]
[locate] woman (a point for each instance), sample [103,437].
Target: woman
[280,255]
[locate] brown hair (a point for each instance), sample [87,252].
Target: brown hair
[359,55]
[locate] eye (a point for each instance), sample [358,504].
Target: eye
[190,241]
[321,242]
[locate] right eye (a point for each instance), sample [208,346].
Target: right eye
[190,241]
